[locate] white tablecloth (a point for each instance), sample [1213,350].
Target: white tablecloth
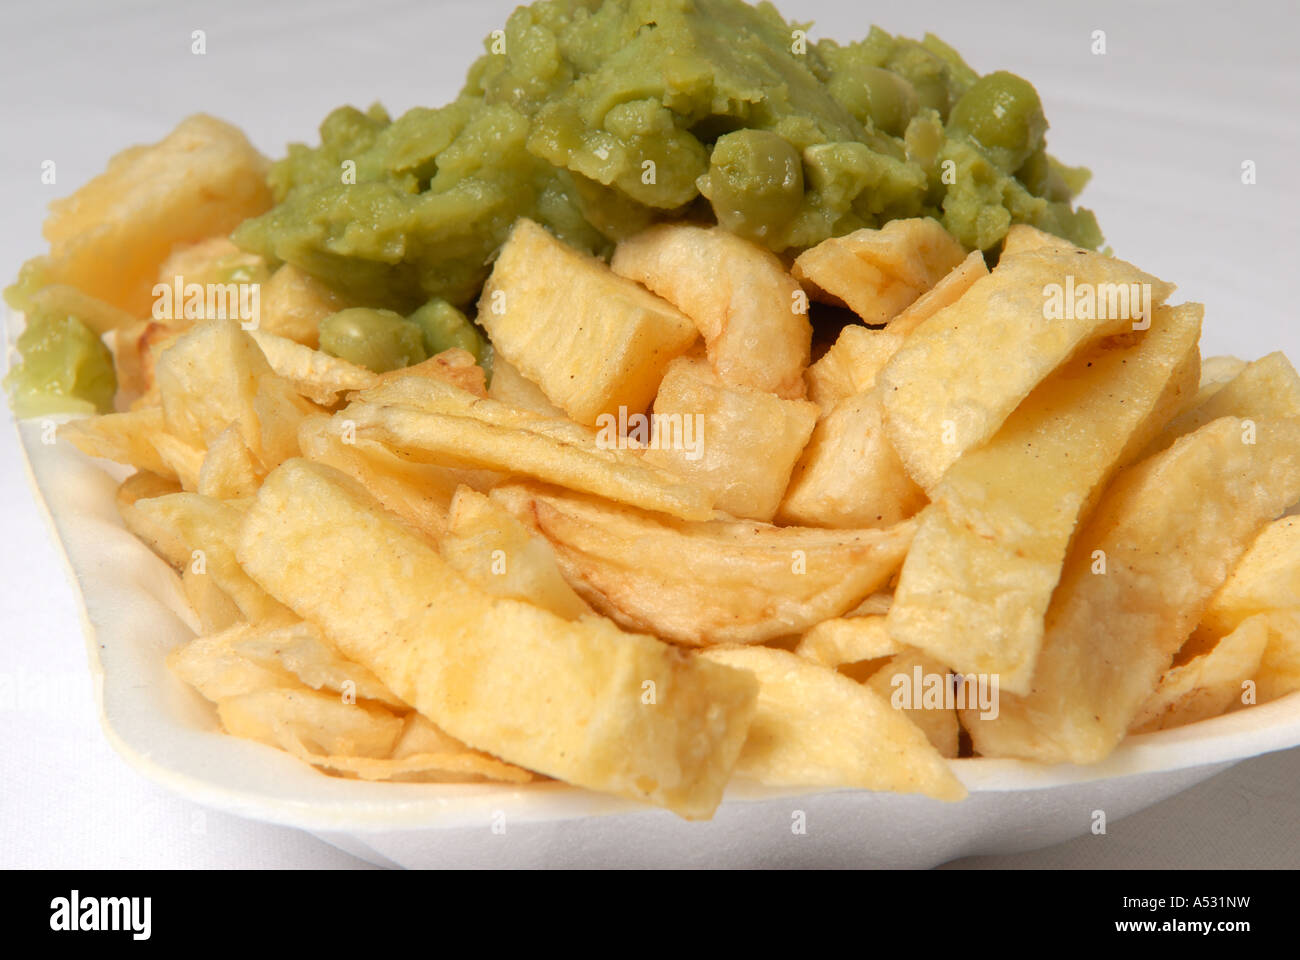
[1185,94]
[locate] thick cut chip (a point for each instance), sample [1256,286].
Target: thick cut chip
[182,459]
[318,376]
[593,341]
[960,373]
[454,366]
[215,375]
[988,550]
[581,701]
[751,312]
[1279,668]
[1267,388]
[495,551]
[1216,372]
[878,273]
[484,434]
[851,365]
[1208,685]
[220,665]
[111,236]
[136,348]
[708,582]
[815,727]
[1267,578]
[307,721]
[943,294]
[841,640]
[121,437]
[1022,237]
[229,470]
[142,485]
[209,529]
[419,493]
[293,303]
[920,687]
[1138,578]
[849,474]
[511,387]
[211,605]
[738,443]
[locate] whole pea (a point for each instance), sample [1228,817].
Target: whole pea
[445,327]
[1003,114]
[890,100]
[755,182]
[379,340]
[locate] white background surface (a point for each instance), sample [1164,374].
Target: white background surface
[1185,94]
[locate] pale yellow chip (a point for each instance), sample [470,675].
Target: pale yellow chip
[851,365]
[943,294]
[593,341]
[215,375]
[878,273]
[581,701]
[849,474]
[111,236]
[841,640]
[1266,578]
[211,605]
[925,690]
[1279,668]
[960,373]
[751,312]
[293,303]
[318,376]
[209,530]
[989,549]
[511,387]
[738,443]
[483,434]
[708,582]
[229,470]
[425,754]
[1208,685]
[815,727]
[1268,387]
[495,551]
[302,720]
[121,437]
[1138,578]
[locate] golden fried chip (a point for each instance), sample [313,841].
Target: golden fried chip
[497,553]
[111,236]
[120,437]
[815,727]
[943,294]
[1138,578]
[318,376]
[1266,578]
[849,474]
[738,443]
[487,435]
[302,720]
[877,273]
[593,341]
[209,530]
[707,582]
[850,366]
[988,551]
[841,640]
[229,470]
[752,314]
[1208,685]
[960,373]
[581,701]
[918,686]
[211,605]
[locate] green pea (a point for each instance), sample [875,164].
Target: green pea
[379,340]
[445,327]
[1002,113]
[755,183]
[890,100]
